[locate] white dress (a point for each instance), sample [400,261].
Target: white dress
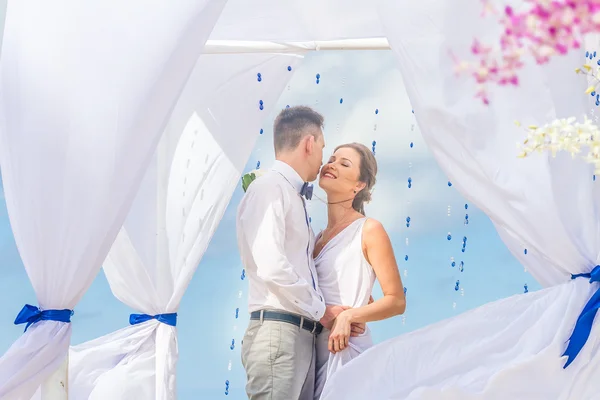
[346,279]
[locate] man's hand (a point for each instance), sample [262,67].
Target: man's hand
[331,313]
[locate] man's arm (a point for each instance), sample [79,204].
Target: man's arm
[262,222]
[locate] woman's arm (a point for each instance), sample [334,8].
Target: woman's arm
[378,251]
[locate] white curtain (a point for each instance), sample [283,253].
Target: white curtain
[184,194]
[509,349]
[86,89]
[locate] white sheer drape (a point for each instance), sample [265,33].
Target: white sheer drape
[177,209]
[509,349]
[86,90]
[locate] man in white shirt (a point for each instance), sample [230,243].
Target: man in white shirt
[276,245]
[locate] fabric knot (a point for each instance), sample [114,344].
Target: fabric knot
[30,315]
[583,326]
[168,319]
[307,190]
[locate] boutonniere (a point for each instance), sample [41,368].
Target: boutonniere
[249,177]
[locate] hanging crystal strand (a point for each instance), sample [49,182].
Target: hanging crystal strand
[408,206]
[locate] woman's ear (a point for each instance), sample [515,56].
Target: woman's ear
[360,186]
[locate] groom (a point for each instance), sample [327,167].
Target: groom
[275,240]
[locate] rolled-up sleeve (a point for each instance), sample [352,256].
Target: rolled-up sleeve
[263,225]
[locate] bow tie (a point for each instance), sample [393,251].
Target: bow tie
[307,190]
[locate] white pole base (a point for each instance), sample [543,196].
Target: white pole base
[56,387]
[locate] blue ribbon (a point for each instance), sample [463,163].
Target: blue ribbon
[30,315]
[583,326]
[169,319]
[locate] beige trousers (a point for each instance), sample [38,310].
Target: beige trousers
[279,359]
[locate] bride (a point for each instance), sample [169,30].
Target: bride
[350,253]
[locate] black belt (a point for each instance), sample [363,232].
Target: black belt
[309,325]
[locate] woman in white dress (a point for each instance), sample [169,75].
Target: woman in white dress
[350,253]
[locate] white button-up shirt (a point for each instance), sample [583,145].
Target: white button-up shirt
[276,245]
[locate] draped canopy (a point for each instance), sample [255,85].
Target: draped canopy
[86,90]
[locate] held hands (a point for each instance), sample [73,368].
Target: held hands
[332,312]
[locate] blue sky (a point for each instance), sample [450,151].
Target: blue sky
[366,82]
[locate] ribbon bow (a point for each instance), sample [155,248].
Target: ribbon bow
[30,315]
[169,319]
[584,323]
[307,190]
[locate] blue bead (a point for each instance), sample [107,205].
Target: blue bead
[593,94]
[289,67]
[407,225]
[453,264]
[259,75]
[525,251]
[227,382]
[288,106]
[594,53]
[317,81]
[413,111]
[598,62]
[232,344]
[597,103]
[237,312]
[405,289]
[318,76]
[449,183]
[259,79]
[409,179]
[260,102]
[587,53]
[376,111]
[411,145]
[406,258]
[407,219]
[409,185]
[466,206]
[463,249]
[341,101]
[466,216]
[374,143]
[464,239]
[261,131]
[449,237]
[309,220]
[594,177]
[261,107]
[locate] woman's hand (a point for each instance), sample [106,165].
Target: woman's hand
[340,332]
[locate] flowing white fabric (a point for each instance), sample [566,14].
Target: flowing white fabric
[184,194]
[86,90]
[509,349]
[305,20]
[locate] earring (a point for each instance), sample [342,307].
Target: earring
[355,192]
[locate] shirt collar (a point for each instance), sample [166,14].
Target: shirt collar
[289,173]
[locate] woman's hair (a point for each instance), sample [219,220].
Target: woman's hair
[368,171]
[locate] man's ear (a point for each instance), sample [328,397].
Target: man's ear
[310,144]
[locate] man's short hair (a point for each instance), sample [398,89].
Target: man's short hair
[290,126]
